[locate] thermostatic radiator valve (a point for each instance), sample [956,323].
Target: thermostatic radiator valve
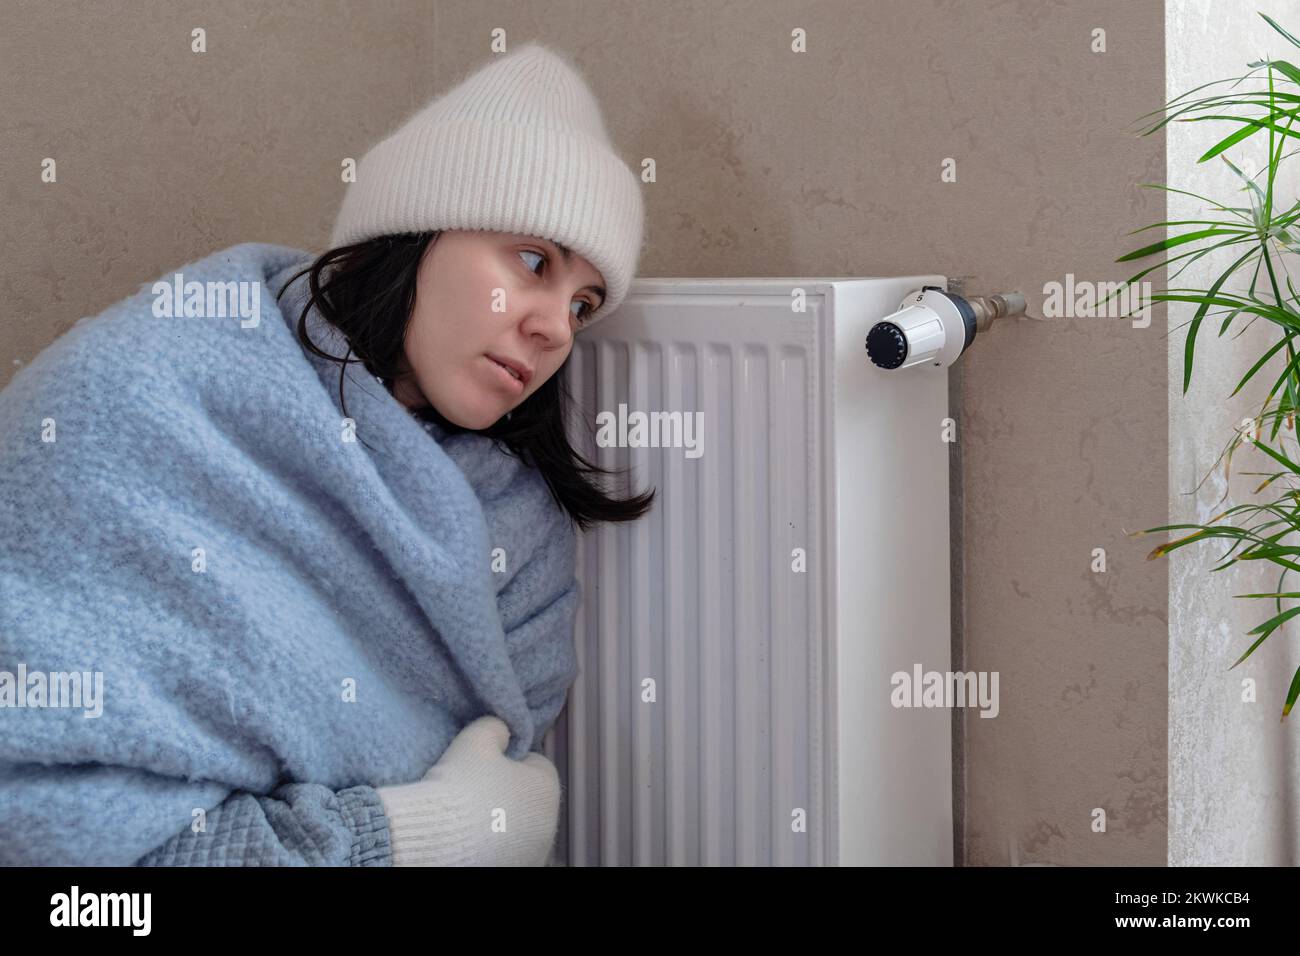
[935,327]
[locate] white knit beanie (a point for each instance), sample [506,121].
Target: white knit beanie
[519,147]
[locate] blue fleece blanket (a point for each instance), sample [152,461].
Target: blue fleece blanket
[227,613]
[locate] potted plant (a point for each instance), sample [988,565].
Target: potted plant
[1259,530]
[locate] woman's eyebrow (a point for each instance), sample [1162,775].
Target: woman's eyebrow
[568,255]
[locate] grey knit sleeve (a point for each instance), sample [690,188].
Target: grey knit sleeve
[100,815]
[301,824]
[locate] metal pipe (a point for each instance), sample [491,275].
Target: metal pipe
[1000,306]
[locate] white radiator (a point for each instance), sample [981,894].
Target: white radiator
[771,737]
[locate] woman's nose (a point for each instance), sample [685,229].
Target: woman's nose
[553,321]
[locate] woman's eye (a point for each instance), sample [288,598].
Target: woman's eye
[530,252]
[587,307]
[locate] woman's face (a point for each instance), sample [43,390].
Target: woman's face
[513,297]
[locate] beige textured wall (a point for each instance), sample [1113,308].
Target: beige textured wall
[1233,767]
[164,155]
[769,163]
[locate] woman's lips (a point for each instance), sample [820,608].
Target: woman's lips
[515,386]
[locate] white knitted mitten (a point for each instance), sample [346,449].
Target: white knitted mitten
[476,806]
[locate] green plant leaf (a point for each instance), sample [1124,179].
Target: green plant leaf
[1274,623]
[1250,128]
[1255,368]
[1172,241]
[1191,255]
[1269,21]
[1247,120]
[1268,553]
[1282,317]
[1287,69]
[1184,192]
[1263,637]
[1292,693]
[1232,314]
[1182,222]
[1281,459]
[1286,374]
[1163,111]
[1190,345]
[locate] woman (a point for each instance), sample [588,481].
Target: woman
[317,547]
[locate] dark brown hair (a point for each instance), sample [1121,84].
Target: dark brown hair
[367,291]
